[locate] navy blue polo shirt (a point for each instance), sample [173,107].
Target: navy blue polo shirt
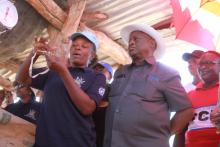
[29,111]
[61,124]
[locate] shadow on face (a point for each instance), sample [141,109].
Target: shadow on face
[81,52]
[141,45]
[209,67]
[24,92]
[100,68]
[192,66]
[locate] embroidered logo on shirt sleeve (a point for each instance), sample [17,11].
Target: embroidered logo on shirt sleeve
[101,91]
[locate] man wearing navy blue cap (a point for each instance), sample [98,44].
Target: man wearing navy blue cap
[193,59]
[71,94]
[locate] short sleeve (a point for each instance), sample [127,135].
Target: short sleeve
[97,89]
[175,94]
[40,80]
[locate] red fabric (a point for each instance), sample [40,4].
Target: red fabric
[192,26]
[204,97]
[205,137]
[202,138]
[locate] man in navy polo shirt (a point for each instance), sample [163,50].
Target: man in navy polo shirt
[71,94]
[26,108]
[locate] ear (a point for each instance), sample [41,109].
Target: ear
[89,58]
[92,56]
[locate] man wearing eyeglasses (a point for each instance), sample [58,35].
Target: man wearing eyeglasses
[201,132]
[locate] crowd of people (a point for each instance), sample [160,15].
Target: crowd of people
[87,105]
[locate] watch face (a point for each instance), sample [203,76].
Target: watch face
[8,14]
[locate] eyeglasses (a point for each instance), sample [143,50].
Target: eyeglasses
[208,63]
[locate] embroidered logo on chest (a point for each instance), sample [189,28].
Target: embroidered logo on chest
[31,114]
[79,81]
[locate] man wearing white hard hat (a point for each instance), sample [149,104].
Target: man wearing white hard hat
[143,94]
[71,94]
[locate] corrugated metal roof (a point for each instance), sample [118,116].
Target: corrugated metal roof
[122,13]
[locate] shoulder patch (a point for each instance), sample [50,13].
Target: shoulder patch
[101,91]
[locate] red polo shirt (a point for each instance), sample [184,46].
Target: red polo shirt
[201,132]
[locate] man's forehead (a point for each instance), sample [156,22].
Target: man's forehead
[82,38]
[193,59]
[209,56]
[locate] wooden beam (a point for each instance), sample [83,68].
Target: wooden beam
[163,24]
[90,16]
[70,25]
[6,84]
[74,16]
[109,47]
[56,16]
[70,3]
[94,16]
[50,11]
[10,65]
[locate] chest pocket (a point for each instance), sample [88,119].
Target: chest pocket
[120,81]
[148,89]
[149,96]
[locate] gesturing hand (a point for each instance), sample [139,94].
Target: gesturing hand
[56,60]
[41,46]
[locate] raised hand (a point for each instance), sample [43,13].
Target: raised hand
[41,46]
[56,60]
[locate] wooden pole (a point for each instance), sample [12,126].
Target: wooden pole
[50,11]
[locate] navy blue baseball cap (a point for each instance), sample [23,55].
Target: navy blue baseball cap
[195,54]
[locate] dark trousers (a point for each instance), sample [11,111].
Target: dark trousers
[99,120]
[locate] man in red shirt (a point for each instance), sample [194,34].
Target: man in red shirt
[201,132]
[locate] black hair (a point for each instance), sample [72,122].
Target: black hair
[93,61]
